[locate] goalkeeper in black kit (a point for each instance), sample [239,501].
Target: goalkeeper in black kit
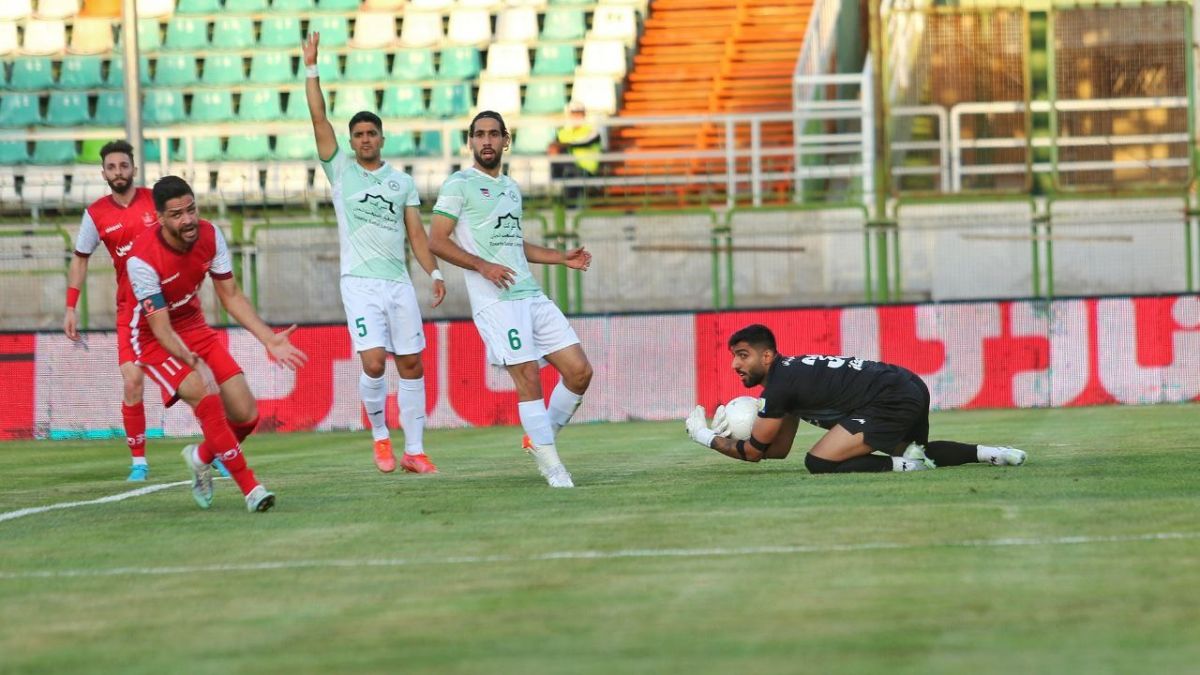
[876,414]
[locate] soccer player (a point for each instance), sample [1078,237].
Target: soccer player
[518,323]
[177,348]
[116,221]
[867,407]
[376,204]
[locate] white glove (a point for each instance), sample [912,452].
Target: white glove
[697,427]
[720,425]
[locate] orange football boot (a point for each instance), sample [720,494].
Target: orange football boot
[417,463]
[384,459]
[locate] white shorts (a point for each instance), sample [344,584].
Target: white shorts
[383,313]
[519,331]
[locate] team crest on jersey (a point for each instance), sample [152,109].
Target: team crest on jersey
[393,185]
[148,218]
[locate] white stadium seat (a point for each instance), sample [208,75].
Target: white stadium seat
[431,4]
[45,37]
[482,4]
[44,186]
[8,37]
[238,182]
[421,29]
[91,36]
[614,22]
[15,9]
[56,9]
[469,26]
[287,181]
[8,186]
[384,5]
[507,60]
[597,93]
[603,57]
[503,96]
[517,24]
[153,9]
[373,30]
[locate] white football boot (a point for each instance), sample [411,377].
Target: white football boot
[259,499]
[913,459]
[1000,455]
[548,463]
[202,481]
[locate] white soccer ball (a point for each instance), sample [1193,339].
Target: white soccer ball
[741,413]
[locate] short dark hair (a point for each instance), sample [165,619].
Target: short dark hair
[490,114]
[168,188]
[756,335]
[366,116]
[116,146]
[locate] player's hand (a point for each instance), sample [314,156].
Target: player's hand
[439,292]
[283,351]
[71,324]
[720,425]
[697,427]
[206,373]
[308,48]
[500,275]
[578,259]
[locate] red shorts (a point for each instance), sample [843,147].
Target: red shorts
[125,353]
[169,373]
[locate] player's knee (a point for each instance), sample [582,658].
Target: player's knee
[817,465]
[373,368]
[410,366]
[580,379]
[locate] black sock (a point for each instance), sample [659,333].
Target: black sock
[951,453]
[866,463]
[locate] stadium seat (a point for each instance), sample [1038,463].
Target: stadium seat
[34,73]
[47,36]
[374,30]
[239,182]
[459,63]
[503,96]
[366,66]
[53,152]
[413,64]
[482,4]
[615,22]
[280,31]
[450,99]
[603,57]
[431,142]
[19,110]
[384,5]
[15,9]
[245,6]
[153,151]
[68,109]
[149,36]
[400,144]
[57,9]
[545,98]
[184,33]
[106,8]
[212,105]
[469,26]
[162,107]
[337,5]
[45,186]
[291,5]
[110,109]
[286,181]
[89,150]
[248,148]
[403,100]
[222,69]
[204,149]
[421,29]
[175,70]
[350,100]
[563,23]
[87,185]
[260,105]
[198,7]
[428,5]
[153,9]
[295,146]
[597,93]
[233,32]
[569,2]
[92,36]
[508,59]
[8,38]
[14,152]
[116,71]
[517,24]
[533,139]
[80,72]
[297,106]
[334,28]
[271,68]
[329,67]
[552,59]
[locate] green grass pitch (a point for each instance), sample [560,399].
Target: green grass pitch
[667,558]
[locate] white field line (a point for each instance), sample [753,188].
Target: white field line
[149,489]
[270,566]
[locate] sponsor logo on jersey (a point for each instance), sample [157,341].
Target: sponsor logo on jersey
[485,192]
[113,228]
[171,278]
[379,201]
[123,251]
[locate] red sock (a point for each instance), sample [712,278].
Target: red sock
[217,434]
[241,431]
[235,462]
[134,417]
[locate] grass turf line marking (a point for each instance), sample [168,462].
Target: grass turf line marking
[596,555]
[149,489]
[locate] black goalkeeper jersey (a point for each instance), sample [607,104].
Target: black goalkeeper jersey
[824,389]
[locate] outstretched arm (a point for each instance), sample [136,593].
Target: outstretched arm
[322,129]
[420,247]
[238,305]
[576,258]
[757,448]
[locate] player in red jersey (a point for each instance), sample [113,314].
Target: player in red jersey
[116,221]
[179,350]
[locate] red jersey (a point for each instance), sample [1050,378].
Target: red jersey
[117,227]
[161,277]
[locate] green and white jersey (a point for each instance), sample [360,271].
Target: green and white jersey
[488,211]
[370,216]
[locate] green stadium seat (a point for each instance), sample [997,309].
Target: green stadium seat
[334,28]
[337,6]
[110,109]
[175,70]
[223,69]
[563,23]
[295,146]
[329,67]
[212,105]
[403,100]
[80,72]
[245,6]
[554,60]
[400,144]
[248,148]
[260,105]
[459,63]
[198,7]
[186,34]
[233,32]
[149,35]
[291,5]
[366,66]
[19,110]
[542,97]
[151,150]
[450,99]
[89,150]
[163,106]
[350,100]
[271,68]
[14,152]
[533,139]
[412,64]
[68,109]
[280,31]
[204,149]
[116,72]
[31,73]
[53,152]
[297,106]
[430,144]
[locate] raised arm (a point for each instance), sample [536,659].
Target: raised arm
[322,129]
[420,246]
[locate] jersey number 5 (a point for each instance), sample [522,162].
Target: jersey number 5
[361,325]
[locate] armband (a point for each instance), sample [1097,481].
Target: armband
[153,304]
[436,275]
[741,450]
[72,297]
[759,445]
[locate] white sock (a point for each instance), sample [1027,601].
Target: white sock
[139,461]
[411,397]
[986,453]
[563,404]
[902,464]
[536,422]
[373,391]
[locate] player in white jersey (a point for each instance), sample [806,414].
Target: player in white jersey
[376,206]
[519,325]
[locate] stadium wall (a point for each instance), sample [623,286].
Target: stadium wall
[1123,350]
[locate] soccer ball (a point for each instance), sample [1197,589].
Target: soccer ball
[741,413]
